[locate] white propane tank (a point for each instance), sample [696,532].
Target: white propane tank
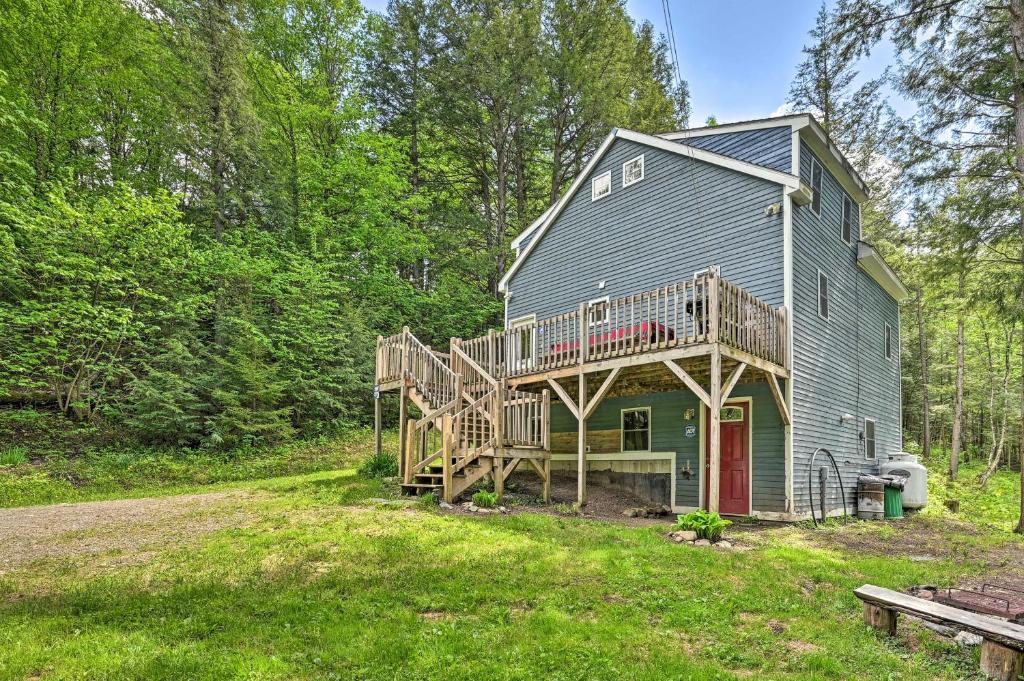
[915,493]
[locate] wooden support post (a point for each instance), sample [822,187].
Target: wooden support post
[498,423]
[403,417]
[581,476]
[447,449]
[380,364]
[584,332]
[410,450]
[882,619]
[378,422]
[715,430]
[499,474]
[714,313]
[492,357]
[1001,663]
[547,480]
[545,420]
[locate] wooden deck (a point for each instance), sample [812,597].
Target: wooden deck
[486,401]
[685,319]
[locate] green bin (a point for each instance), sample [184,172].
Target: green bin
[893,502]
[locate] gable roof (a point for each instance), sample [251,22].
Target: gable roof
[544,222]
[809,130]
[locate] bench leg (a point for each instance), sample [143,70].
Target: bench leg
[999,662]
[880,618]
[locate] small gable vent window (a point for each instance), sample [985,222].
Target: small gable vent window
[601,186]
[822,295]
[888,342]
[847,219]
[633,171]
[815,186]
[869,439]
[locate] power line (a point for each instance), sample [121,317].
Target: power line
[671,34]
[674,55]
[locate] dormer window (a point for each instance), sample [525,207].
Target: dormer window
[601,186]
[815,186]
[633,171]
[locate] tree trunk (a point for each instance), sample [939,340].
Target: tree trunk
[218,27]
[922,339]
[958,399]
[1017,29]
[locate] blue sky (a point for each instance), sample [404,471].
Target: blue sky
[739,56]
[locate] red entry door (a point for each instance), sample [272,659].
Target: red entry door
[734,479]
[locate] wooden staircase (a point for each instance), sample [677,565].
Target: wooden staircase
[472,425]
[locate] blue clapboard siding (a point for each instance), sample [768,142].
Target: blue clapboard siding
[683,216]
[768,492]
[768,147]
[839,364]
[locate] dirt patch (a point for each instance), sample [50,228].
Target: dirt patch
[801,647]
[523,491]
[925,539]
[124,526]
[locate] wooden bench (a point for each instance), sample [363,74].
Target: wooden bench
[1002,649]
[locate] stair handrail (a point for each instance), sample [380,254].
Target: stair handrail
[433,378]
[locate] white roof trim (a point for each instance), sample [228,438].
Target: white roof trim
[518,241]
[815,136]
[790,182]
[792,121]
[872,263]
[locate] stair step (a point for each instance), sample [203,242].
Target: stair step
[420,485]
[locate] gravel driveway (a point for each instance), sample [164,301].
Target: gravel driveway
[64,530]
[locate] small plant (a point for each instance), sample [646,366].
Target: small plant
[485,499]
[707,525]
[381,465]
[428,500]
[13,456]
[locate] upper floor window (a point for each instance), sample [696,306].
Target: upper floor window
[869,439]
[636,430]
[888,342]
[822,295]
[601,186]
[847,219]
[633,171]
[598,311]
[815,186]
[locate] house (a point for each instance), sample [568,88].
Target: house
[691,320]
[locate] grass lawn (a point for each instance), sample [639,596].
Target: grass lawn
[311,576]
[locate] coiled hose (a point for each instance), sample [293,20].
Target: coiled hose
[810,484]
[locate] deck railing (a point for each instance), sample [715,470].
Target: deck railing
[704,309]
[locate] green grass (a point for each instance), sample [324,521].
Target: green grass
[317,579]
[108,472]
[323,583]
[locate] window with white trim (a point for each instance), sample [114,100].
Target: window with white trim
[815,186]
[869,439]
[847,219]
[636,429]
[598,311]
[888,342]
[601,186]
[822,295]
[633,171]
